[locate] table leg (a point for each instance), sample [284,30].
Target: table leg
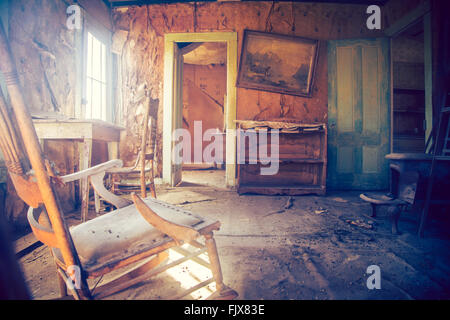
[85,162]
[113,150]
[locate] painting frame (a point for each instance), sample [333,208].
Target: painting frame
[261,64]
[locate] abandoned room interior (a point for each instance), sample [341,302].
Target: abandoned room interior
[246,150]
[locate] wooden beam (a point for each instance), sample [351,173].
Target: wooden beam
[408,19]
[190,47]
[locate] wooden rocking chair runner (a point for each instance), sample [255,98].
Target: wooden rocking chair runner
[132,234]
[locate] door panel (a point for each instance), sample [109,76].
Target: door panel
[358,114]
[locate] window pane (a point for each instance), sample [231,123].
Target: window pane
[97,62]
[96,86]
[103,102]
[103,63]
[88,114]
[96,99]
[89,55]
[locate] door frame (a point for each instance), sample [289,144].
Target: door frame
[422,11]
[170,74]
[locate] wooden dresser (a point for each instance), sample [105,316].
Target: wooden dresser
[302,161]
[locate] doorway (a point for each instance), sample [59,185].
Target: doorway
[204,96]
[408,74]
[174,47]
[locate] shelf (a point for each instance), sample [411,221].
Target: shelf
[302,162]
[408,137]
[409,90]
[410,111]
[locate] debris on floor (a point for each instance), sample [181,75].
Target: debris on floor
[360,223]
[289,204]
[184,197]
[301,254]
[321,210]
[339,199]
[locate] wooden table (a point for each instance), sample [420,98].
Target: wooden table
[84,131]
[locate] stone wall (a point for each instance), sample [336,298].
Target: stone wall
[45,54]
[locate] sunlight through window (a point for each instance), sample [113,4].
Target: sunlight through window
[95,79]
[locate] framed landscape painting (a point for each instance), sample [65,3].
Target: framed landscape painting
[277,63]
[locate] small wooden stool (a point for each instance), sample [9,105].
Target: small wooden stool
[403,193]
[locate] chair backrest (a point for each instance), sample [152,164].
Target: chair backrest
[15,160]
[34,188]
[147,147]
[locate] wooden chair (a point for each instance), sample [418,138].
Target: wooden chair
[138,234]
[403,193]
[141,175]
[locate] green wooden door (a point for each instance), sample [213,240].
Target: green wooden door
[358,114]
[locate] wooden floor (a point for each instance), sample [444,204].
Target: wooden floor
[317,248]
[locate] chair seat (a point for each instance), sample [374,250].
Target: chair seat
[381,199]
[107,240]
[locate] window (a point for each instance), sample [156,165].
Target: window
[96,102]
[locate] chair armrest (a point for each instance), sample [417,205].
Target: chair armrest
[97,184]
[175,231]
[123,170]
[116,163]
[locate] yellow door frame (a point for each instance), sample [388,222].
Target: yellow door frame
[170,79]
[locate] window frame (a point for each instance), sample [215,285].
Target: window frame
[103,35]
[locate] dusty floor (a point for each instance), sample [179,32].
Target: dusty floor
[309,251]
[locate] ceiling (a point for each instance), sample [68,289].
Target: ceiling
[125,3]
[207,53]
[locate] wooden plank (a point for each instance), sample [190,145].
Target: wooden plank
[169,46]
[345,103]
[370,94]
[289,173]
[201,36]
[230,110]
[62,130]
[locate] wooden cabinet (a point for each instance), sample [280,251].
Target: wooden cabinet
[301,161]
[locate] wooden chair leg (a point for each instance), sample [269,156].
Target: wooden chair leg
[223,292]
[374,210]
[152,182]
[394,215]
[97,202]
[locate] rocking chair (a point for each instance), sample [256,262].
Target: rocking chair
[133,234]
